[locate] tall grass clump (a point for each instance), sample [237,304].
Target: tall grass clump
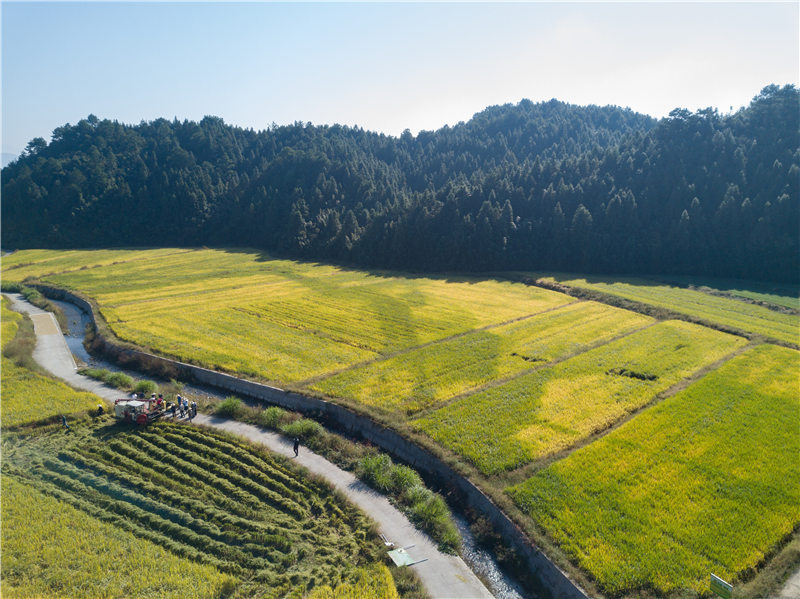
[230,407]
[120,380]
[271,417]
[425,508]
[145,387]
[304,428]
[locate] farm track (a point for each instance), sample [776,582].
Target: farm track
[304,384]
[442,575]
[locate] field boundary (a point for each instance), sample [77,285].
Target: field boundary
[554,580]
[384,357]
[528,470]
[500,382]
[650,310]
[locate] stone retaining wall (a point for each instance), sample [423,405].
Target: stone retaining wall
[553,580]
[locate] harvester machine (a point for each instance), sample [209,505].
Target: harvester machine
[137,411]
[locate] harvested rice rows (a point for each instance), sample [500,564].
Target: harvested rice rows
[204,497]
[432,374]
[548,410]
[704,482]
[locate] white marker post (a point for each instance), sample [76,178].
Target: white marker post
[720,587]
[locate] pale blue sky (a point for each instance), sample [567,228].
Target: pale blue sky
[385,67]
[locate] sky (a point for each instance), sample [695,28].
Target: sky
[382,66]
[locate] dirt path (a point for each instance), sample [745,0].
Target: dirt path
[444,576]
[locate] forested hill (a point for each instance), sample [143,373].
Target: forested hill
[526,186]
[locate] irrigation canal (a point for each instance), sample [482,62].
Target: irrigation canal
[461,583]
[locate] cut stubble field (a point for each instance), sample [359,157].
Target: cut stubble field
[235,515]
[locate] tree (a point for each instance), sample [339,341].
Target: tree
[35,147]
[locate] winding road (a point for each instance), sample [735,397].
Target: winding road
[444,576]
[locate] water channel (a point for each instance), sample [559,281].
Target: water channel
[501,585]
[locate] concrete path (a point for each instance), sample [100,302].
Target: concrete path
[791,590]
[444,576]
[52,353]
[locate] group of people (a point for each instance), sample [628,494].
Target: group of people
[184,408]
[181,408]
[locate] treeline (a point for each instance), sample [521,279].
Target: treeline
[523,187]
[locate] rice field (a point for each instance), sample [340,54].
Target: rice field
[430,375]
[280,320]
[506,376]
[9,323]
[233,511]
[786,295]
[723,311]
[547,410]
[706,481]
[53,549]
[372,582]
[171,511]
[28,396]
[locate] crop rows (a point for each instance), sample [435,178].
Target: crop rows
[50,549]
[723,311]
[706,481]
[206,498]
[432,374]
[550,409]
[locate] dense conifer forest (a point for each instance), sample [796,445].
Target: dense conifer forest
[547,186]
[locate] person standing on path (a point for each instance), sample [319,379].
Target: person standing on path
[296,446]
